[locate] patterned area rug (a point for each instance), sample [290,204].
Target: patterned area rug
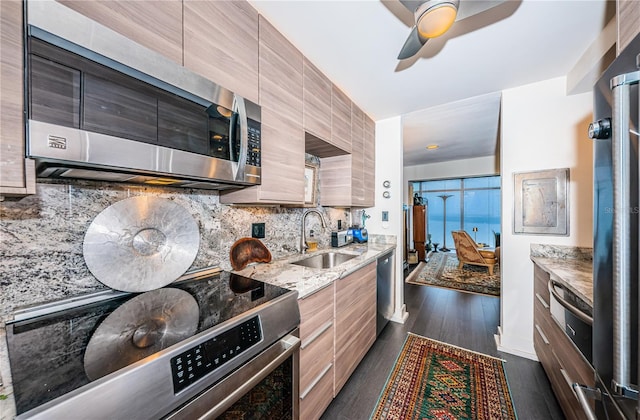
[434,380]
[442,271]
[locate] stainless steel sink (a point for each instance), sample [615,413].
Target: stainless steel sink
[326,260]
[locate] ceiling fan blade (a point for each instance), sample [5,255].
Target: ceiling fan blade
[412,45]
[412,5]
[469,8]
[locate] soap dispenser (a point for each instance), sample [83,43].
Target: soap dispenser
[312,243]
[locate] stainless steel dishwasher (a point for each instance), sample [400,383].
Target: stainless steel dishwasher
[385,272]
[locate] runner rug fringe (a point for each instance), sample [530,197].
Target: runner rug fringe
[442,271]
[434,380]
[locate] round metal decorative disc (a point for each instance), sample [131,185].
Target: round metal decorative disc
[141,243]
[139,328]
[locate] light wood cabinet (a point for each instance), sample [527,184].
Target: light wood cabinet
[282,132]
[317,91]
[221,44]
[349,180]
[561,360]
[340,119]
[369,168]
[17,174]
[357,155]
[156,25]
[337,328]
[316,354]
[355,321]
[628,22]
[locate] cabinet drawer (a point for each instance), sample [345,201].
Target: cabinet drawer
[315,355]
[355,321]
[541,281]
[314,400]
[315,311]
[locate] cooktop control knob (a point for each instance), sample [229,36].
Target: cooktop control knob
[600,129]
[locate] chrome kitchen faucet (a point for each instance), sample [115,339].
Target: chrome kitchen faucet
[303,236]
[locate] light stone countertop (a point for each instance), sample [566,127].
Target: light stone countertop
[307,281]
[574,270]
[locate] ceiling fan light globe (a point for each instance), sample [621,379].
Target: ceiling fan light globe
[436,20]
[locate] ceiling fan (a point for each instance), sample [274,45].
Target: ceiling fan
[434,17]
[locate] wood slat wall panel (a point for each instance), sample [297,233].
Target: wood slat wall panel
[155,24]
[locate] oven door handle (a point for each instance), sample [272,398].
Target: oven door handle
[568,306]
[238,386]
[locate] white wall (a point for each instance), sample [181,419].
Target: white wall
[388,163]
[541,128]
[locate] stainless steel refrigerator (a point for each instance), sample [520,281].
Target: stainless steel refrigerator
[615,258]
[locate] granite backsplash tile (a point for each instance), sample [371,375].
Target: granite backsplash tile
[41,236]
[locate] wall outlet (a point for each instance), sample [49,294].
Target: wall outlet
[257,230]
[385,216]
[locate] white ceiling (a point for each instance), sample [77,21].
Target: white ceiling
[356,42]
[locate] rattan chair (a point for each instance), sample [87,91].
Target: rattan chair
[469,253]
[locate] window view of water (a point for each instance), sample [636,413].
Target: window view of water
[472,204]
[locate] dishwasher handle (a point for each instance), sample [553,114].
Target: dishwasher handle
[567,305]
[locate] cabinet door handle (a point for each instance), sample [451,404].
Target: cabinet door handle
[541,299]
[315,381]
[316,334]
[544,337]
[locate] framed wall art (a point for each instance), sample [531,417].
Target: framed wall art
[310,185]
[541,205]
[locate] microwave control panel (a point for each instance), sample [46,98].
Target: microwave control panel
[253,152]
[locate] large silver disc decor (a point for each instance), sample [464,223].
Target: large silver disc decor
[139,328]
[141,243]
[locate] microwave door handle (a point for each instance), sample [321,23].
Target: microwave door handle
[240,107]
[568,306]
[620,150]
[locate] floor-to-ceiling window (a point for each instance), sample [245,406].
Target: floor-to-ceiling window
[472,204]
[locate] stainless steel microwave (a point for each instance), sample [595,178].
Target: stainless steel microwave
[105,108]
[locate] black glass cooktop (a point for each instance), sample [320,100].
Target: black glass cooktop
[55,353]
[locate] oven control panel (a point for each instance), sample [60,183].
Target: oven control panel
[198,361]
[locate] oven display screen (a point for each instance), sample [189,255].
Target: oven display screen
[198,361]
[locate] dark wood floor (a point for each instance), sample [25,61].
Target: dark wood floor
[463,319]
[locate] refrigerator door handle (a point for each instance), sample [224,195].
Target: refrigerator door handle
[621,152]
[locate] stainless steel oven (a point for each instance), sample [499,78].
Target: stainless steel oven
[211,345]
[574,316]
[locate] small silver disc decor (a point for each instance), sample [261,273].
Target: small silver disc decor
[141,244]
[140,327]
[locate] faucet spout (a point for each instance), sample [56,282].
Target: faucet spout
[303,235]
